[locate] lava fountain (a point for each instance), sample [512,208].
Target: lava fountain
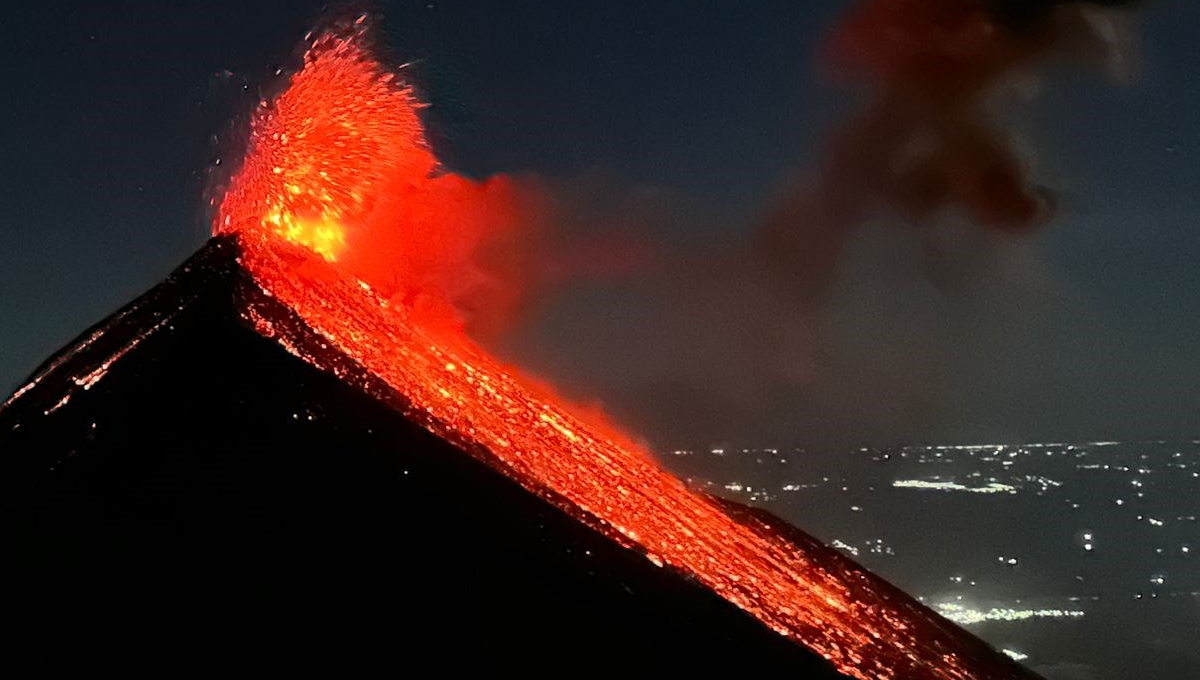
[345,216]
[339,165]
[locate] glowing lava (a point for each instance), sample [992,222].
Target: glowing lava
[338,163]
[324,148]
[340,154]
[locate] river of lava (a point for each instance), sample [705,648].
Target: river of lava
[457,390]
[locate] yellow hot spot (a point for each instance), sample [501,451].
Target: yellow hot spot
[324,236]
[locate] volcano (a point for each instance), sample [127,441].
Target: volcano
[216,466]
[294,447]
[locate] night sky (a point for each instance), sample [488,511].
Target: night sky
[116,114]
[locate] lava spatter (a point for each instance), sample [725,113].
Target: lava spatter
[338,163]
[324,148]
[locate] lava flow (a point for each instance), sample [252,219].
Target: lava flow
[345,217]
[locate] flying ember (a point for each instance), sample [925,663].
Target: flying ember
[345,217]
[328,144]
[338,163]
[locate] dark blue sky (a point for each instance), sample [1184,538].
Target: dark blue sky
[115,112]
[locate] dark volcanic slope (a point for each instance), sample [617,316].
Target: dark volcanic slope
[174,481]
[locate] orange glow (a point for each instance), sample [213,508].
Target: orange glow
[323,148]
[360,303]
[338,163]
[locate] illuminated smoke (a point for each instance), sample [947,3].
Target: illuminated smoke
[926,145]
[832,305]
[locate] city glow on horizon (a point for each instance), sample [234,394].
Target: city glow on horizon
[934,485]
[966,616]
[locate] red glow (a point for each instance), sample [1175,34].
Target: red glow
[339,164]
[948,49]
[346,135]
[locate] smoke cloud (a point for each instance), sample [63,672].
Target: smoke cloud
[829,320]
[926,145]
[832,323]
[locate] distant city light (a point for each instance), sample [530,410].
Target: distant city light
[965,616]
[992,487]
[842,545]
[1101,492]
[1015,655]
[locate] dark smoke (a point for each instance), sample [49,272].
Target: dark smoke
[834,325]
[926,145]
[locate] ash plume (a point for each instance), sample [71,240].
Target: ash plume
[834,321]
[926,145]
[711,341]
